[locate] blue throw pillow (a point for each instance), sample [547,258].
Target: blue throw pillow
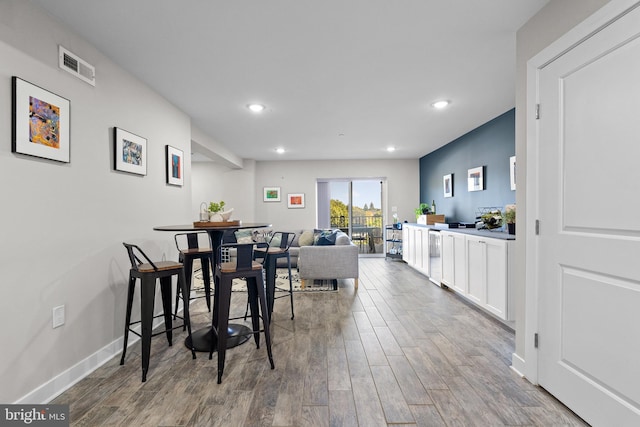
[327,238]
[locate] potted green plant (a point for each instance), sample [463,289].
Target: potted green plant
[216,207]
[510,218]
[423,209]
[217,213]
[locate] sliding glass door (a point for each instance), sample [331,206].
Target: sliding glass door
[355,207]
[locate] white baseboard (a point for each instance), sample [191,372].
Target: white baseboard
[65,380]
[518,364]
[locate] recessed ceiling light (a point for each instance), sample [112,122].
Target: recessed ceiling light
[391,149]
[256,108]
[440,104]
[279,150]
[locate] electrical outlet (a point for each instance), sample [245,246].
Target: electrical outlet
[394,209]
[58,316]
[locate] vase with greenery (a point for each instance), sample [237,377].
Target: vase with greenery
[215,211]
[216,207]
[423,209]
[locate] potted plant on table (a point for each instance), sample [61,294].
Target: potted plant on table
[217,212]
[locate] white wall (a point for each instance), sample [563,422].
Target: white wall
[63,224]
[242,189]
[213,182]
[549,24]
[402,176]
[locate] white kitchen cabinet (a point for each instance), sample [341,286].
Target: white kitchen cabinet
[474,264]
[454,263]
[488,274]
[416,247]
[423,264]
[407,251]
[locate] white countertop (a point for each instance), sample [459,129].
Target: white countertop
[497,234]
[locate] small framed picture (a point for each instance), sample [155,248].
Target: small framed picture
[175,166]
[41,122]
[271,194]
[295,200]
[130,152]
[447,185]
[475,179]
[512,171]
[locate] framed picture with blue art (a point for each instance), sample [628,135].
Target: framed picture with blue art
[175,166]
[130,152]
[40,125]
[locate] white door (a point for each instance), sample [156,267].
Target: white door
[589,242]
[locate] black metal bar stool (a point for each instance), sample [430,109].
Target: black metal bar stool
[278,247]
[244,267]
[189,250]
[148,272]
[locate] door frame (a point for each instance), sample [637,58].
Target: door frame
[383,204]
[600,19]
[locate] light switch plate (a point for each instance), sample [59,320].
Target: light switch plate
[58,316]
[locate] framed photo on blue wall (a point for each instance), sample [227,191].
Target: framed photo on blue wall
[447,185]
[475,179]
[512,171]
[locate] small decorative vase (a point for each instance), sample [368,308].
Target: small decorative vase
[511,227]
[226,214]
[215,217]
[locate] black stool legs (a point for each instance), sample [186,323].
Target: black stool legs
[206,262]
[220,321]
[127,320]
[147,299]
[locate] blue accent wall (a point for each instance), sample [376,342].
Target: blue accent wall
[490,145]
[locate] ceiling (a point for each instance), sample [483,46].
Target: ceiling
[339,78]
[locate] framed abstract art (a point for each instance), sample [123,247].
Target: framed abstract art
[271,194]
[295,200]
[175,166]
[447,185]
[475,179]
[130,152]
[41,122]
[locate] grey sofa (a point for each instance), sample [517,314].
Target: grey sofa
[338,261]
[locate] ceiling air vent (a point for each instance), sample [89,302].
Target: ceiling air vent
[76,66]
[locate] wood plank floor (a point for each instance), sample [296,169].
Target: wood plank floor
[397,351]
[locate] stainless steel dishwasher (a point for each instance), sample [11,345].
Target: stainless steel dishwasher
[435,260]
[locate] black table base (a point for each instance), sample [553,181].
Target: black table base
[202,338]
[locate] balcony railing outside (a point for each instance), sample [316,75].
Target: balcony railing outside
[366,231]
